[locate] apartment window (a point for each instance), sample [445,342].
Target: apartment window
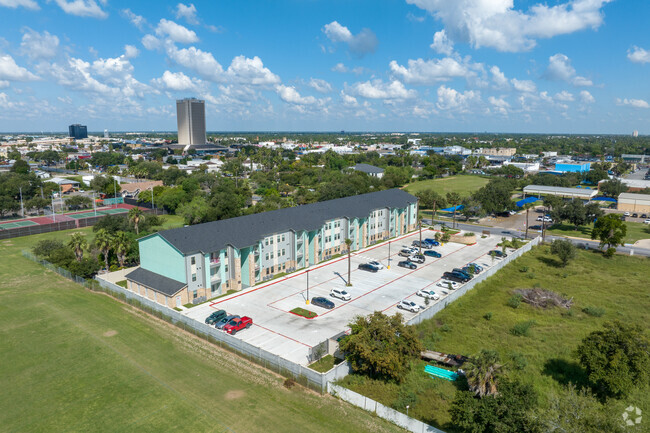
[225,269]
[266,242]
[271,241]
[272,255]
[283,252]
[194,260]
[213,272]
[282,238]
[194,294]
[193,277]
[225,254]
[267,256]
[278,238]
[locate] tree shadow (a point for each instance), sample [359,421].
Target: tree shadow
[549,261]
[566,372]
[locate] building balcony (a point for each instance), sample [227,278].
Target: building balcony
[215,262]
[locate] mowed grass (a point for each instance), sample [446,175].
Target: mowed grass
[73,360]
[635,231]
[545,357]
[463,185]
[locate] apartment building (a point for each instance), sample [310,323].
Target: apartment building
[194,263]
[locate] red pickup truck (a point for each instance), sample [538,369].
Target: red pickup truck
[236,325]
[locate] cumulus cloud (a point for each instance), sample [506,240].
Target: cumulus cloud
[10,71]
[564,96]
[426,72]
[245,70]
[290,95]
[441,43]
[340,67]
[137,20]
[199,61]
[82,8]
[451,99]
[560,69]
[636,103]
[638,55]
[586,97]
[348,100]
[500,105]
[39,45]
[13,4]
[151,42]
[188,12]
[176,32]
[524,86]
[320,85]
[497,24]
[177,81]
[499,78]
[378,89]
[360,44]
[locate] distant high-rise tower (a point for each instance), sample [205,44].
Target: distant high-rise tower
[78,131]
[105,133]
[635,133]
[190,115]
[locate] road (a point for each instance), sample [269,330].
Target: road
[500,231]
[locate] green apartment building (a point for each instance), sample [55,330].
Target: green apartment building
[194,263]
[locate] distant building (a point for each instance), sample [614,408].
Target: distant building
[572,168]
[634,202]
[78,131]
[105,133]
[528,167]
[498,151]
[540,190]
[549,154]
[635,158]
[414,141]
[370,170]
[635,133]
[190,116]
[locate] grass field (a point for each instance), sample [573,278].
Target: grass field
[77,361]
[619,285]
[635,231]
[463,185]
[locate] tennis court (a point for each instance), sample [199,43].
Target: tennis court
[99,212]
[16,224]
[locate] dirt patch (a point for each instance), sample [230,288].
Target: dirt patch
[110,333]
[234,394]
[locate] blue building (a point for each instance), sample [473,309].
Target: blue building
[78,131]
[573,168]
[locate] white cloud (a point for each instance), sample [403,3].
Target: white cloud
[451,99]
[497,24]
[4,84]
[340,67]
[201,62]
[377,89]
[187,12]
[638,55]
[176,32]
[525,86]
[431,71]
[176,81]
[564,96]
[290,95]
[320,85]
[636,103]
[131,52]
[137,20]
[10,71]
[82,8]
[499,78]
[441,43]
[586,97]
[13,4]
[348,100]
[499,104]
[151,42]
[360,44]
[559,68]
[244,70]
[39,45]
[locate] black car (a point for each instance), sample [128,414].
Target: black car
[644,216]
[322,302]
[215,317]
[407,264]
[463,276]
[432,253]
[368,267]
[463,272]
[497,253]
[635,215]
[452,277]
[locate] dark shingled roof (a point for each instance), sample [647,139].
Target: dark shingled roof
[247,230]
[156,282]
[367,168]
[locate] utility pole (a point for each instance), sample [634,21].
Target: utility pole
[115,189]
[307,302]
[388,267]
[22,208]
[94,204]
[152,205]
[53,213]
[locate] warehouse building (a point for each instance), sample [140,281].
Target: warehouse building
[539,190]
[191,264]
[638,203]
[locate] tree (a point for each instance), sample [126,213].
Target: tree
[171,198]
[564,249]
[616,358]
[104,185]
[37,203]
[20,167]
[481,372]
[79,201]
[78,243]
[453,199]
[612,188]
[195,211]
[348,243]
[381,346]
[121,243]
[136,216]
[610,230]
[104,241]
[496,196]
[8,205]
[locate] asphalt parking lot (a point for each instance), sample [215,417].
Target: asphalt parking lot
[280,332]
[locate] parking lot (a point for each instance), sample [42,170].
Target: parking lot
[280,332]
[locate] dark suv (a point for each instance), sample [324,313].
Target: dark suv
[215,317]
[463,272]
[453,277]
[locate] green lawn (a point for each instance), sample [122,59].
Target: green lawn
[619,285]
[635,231]
[74,360]
[463,185]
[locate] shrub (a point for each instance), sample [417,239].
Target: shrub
[594,311]
[514,301]
[445,328]
[523,269]
[519,361]
[488,316]
[522,329]
[609,253]
[468,234]
[289,383]
[531,276]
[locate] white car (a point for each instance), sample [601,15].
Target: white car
[546,219]
[626,214]
[428,293]
[647,221]
[445,284]
[409,306]
[341,294]
[376,264]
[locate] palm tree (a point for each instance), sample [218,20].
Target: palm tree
[78,243]
[481,372]
[104,241]
[453,198]
[348,243]
[527,206]
[121,244]
[136,216]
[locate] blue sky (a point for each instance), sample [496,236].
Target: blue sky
[573,66]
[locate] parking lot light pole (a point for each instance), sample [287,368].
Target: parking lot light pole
[307,302]
[388,267]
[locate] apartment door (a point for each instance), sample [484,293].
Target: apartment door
[178,302]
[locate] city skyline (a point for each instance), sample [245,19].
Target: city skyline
[576,66]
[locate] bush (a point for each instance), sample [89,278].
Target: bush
[609,253]
[523,269]
[519,361]
[468,234]
[45,247]
[522,329]
[594,311]
[488,316]
[514,301]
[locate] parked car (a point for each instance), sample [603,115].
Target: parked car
[461,275]
[545,218]
[635,215]
[472,270]
[423,244]
[376,264]
[408,306]
[407,264]
[432,253]
[463,272]
[433,242]
[341,294]
[626,214]
[477,267]
[448,284]
[236,325]
[498,254]
[644,216]
[215,317]
[406,252]
[223,322]
[646,221]
[535,227]
[428,293]
[417,258]
[368,267]
[322,302]
[453,277]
